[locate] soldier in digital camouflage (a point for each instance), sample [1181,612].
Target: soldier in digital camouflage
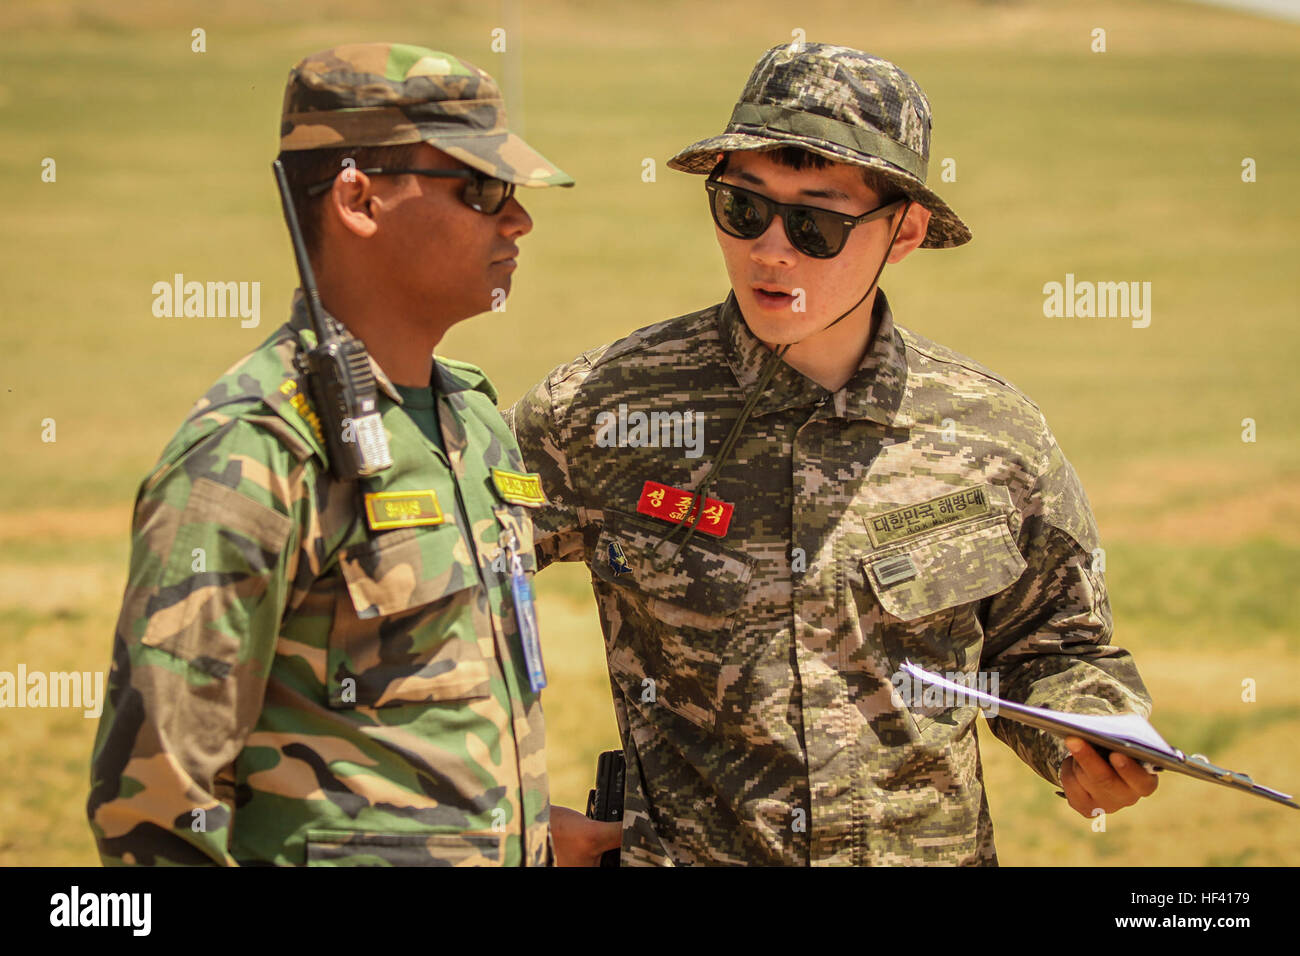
[865,497]
[313,671]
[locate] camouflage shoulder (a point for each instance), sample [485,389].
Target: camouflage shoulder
[680,332]
[263,388]
[247,452]
[465,375]
[565,381]
[932,350]
[1017,423]
[573,373]
[943,383]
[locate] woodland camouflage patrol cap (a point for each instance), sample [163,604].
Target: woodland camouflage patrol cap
[843,104]
[388,94]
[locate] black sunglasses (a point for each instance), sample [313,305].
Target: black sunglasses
[483,193]
[820,233]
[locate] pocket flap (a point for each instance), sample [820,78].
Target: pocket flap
[959,567]
[704,578]
[406,568]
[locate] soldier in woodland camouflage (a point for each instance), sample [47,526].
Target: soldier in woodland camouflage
[866,496]
[312,671]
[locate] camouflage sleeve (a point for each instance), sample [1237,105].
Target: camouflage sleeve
[540,425]
[1048,635]
[213,550]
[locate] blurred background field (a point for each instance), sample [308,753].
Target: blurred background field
[1123,165]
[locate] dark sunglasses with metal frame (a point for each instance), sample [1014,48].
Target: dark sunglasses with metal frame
[816,232]
[483,193]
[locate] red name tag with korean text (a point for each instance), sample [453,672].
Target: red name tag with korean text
[671,504]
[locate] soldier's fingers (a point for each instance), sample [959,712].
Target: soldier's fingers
[1139,781]
[1079,773]
[1110,790]
[1090,764]
[1077,795]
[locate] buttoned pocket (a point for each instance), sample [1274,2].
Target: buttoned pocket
[409,627]
[956,566]
[667,631]
[930,589]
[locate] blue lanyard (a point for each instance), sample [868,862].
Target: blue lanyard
[522,591]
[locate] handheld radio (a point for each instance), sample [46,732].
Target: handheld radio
[338,373]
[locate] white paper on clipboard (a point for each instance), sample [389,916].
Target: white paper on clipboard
[1129,727]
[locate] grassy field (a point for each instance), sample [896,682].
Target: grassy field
[1122,165]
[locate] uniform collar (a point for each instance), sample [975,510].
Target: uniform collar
[877,391]
[300,322]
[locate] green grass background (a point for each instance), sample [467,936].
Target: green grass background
[1123,165]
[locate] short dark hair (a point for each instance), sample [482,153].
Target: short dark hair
[797,158]
[306,167]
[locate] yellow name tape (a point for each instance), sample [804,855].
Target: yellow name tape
[519,489]
[402,509]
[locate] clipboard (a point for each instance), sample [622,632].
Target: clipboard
[1129,734]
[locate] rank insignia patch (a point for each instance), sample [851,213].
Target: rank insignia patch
[895,570]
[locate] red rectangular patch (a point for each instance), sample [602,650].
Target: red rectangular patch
[670,504]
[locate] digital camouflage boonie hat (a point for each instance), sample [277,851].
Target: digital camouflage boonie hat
[389,94]
[843,104]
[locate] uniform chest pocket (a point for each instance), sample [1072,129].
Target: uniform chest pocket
[411,625]
[668,632]
[930,589]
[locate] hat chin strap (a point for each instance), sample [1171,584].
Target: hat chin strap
[661,562]
[876,278]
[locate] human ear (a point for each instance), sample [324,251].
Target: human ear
[353,204]
[912,233]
